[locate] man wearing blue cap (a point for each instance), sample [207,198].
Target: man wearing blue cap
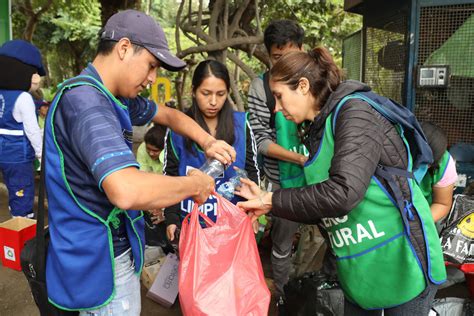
[20,135]
[94,187]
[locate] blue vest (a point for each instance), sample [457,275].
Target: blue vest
[80,260]
[189,161]
[14,145]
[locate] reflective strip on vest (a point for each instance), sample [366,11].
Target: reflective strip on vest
[11,132]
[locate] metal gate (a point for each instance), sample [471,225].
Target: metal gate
[352,56]
[386,54]
[446,37]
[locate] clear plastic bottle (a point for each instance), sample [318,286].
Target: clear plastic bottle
[227,188]
[213,168]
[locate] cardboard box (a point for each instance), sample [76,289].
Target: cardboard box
[165,288]
[150,272]
[14,233]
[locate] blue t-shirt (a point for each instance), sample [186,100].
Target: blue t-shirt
[90,136]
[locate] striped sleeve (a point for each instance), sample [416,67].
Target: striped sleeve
[260,115]
[259,118]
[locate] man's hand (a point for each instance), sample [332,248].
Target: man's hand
[220,150]
[204,185]
[302,159]
[170,230]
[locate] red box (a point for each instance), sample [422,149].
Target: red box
[14,233]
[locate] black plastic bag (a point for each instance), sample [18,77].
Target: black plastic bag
[314,294]
[457,235]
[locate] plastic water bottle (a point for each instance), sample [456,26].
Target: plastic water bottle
[227,188]
[213,168]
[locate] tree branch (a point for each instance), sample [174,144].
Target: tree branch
[45,8]
[215,46]
[238,100]
[199,21]
[236,18]
[176,30]
[236,60]
[215,13]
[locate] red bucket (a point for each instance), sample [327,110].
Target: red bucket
[468,270]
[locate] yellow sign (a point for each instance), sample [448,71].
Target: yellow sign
[466,226]
[161,90]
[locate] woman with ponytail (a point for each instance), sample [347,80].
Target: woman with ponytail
[387,253]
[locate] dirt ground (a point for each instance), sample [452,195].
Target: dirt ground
[16,300]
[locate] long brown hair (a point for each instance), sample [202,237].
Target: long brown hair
[225,126]
[317,66]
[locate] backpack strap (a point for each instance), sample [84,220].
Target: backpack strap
[404,206]
[385,172]
[270,99]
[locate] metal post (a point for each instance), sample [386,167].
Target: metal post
[413,37]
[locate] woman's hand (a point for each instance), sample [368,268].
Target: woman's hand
[257,206]
[248,189]
[170,230]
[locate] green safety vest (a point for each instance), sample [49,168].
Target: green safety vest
[376,262]
[429,180]
[291,174]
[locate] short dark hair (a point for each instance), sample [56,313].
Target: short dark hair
[281,32]
[155,136]
[106,46]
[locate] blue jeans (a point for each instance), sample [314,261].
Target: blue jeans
[127,299]
[20,181]
[419,306]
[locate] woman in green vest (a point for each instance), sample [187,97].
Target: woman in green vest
[379,226]
[438,183]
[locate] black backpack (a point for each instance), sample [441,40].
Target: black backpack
[33,257]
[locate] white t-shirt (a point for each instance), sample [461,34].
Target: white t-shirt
[24,111]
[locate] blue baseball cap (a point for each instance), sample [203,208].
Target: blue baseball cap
[142,30]
[24,52]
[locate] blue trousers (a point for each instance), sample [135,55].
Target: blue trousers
[419,306]
[127,299]
[20,181]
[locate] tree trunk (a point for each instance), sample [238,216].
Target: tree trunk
[110,7]
[226,24]
[33,17]
[30,28]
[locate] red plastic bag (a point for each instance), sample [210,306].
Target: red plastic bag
[220,272]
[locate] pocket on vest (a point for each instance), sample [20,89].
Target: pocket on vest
[384,277]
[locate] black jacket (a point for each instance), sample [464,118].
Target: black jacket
[363,139]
